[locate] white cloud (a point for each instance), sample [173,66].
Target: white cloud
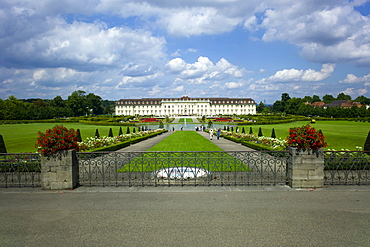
[291,75]
[233,85]
[351,78]
[204,69]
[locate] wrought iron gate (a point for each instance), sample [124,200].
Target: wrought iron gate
[218,168]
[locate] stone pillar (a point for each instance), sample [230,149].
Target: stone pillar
[60,172]
[305,169]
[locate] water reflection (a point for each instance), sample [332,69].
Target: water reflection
[187,126]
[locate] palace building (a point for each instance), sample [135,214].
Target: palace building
[185,106]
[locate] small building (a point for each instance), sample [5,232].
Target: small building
[337,103]
[185,106]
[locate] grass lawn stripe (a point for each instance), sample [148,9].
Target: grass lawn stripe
[184,148]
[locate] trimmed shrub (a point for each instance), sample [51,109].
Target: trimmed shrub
[128,130]
[260,132]
[97,135]
[367,143]
[120,131]
[134,130]
[79,139]
[243,131]
[250,131]
[2,145]
[110,132]
[273,135]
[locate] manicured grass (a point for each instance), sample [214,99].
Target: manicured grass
[339,134]
[185,141]
[21,138]
[188,120]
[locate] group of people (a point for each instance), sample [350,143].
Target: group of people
[218,133]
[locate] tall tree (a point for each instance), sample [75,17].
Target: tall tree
[328,98]
[94,104]
[343,96]
[76,101]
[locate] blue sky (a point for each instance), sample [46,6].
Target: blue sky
[221,48]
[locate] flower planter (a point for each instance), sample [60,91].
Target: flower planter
[305,169]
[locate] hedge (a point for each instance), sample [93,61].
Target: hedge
[258,147]
[127,143]
[106,123]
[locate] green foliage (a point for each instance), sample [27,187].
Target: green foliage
[260,132]
[161,125]
[243,131]
[110,132]
[120,131]
[128,131]
[250,131]
[97,135]
[79,139]
[367,143]
[273,135]
[2,145]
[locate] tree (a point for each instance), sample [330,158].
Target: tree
[94,104]
[343,96]
[292,105]
[243,131]
[110,134]
[57,102]
[315,98]
[128,130]
[328,98]
[260,107]
[250,131]
[76,101]
[363,100]
[2,145]
[285,97]
[307,99]
[120,131]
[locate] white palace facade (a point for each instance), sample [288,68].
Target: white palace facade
[185,106]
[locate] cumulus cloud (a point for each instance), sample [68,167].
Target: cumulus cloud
[204,69]
[294,75]
[351,78]
[118,46]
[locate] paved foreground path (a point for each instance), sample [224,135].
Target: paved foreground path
[185,216]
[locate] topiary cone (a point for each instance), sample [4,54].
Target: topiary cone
[2,145]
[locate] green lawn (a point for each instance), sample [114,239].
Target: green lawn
[21,138]
[185,141]
[339,134]
[188,120]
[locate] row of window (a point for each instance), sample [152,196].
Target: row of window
[198,106]
[211,102]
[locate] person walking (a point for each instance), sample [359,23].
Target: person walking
[218,133]
[211,134]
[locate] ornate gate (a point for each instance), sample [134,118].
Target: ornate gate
[218,168]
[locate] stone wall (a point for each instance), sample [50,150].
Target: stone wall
[60,172]
[305,169]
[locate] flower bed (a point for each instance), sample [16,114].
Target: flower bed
[117,141]
[255,142]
